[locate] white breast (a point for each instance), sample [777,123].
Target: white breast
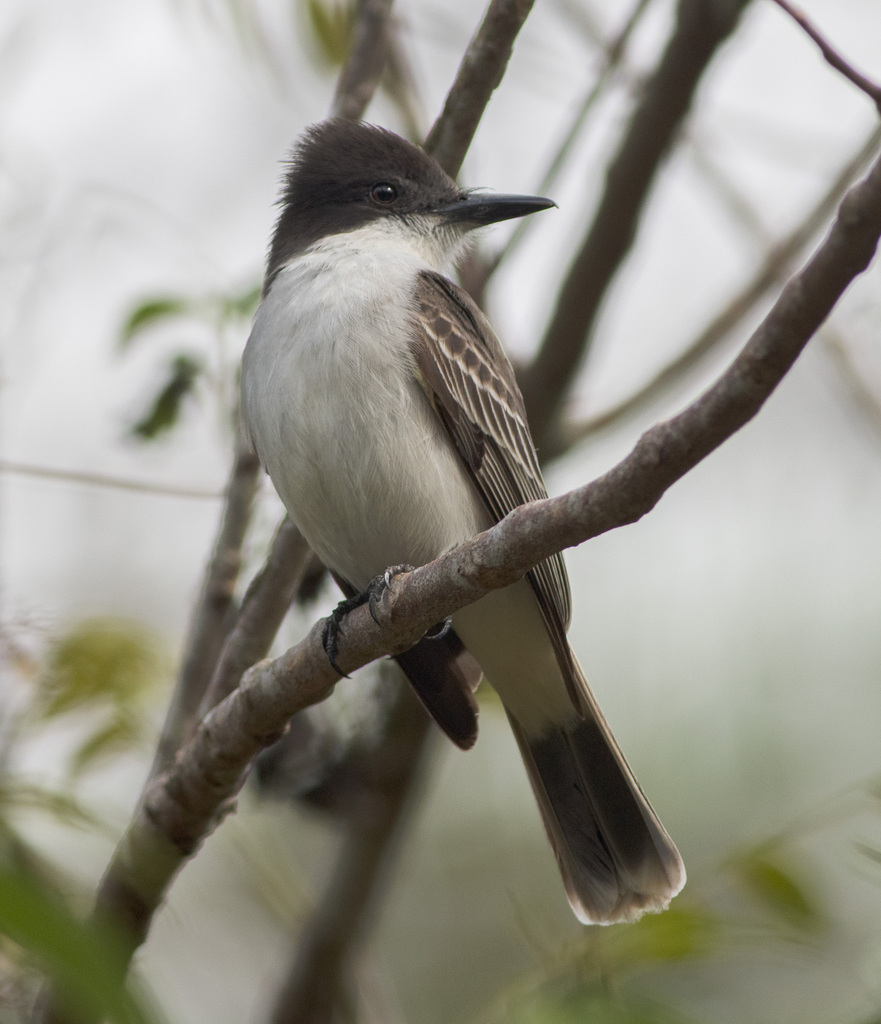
[329,396]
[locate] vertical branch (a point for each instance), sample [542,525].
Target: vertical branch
[366,60]
[701,27]
[318,988]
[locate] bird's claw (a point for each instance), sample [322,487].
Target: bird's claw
[378,586]
[439,631]
[332,628]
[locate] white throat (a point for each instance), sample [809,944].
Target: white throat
[434,246]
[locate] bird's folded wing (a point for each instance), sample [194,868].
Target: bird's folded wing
[471,384]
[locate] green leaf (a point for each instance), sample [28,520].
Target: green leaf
[85,964]
[242,306]
[165,411]
[17,795]
[589,1003]
[151,312]
[780,891]
[120,733]
[676,934]
[99,662]
[332,24]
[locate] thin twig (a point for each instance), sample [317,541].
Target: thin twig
[728,192]
[366,59]
[74,476]
[861,395]
[700,30]
[479,74]
[400,85]
[188,802]
[210,622]
[773,269]
[832,56]
[263,608]
[612,58]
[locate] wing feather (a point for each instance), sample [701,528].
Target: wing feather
[471,384]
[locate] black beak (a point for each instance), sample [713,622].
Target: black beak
[472,211]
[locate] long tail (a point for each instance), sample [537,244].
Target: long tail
[615,856]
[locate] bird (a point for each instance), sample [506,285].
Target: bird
[387,415]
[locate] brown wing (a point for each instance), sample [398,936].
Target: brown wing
[471,384]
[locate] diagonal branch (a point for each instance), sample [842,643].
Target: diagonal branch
[700,30]
[832,56]
[613,56]
[772,270]
[183,806]
[479,74]
[264,606]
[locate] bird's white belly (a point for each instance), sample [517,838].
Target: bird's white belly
[360,460]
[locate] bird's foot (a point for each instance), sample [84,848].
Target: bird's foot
[377,588]
[371,597]
[379,585]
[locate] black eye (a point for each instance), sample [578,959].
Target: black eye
[384,193]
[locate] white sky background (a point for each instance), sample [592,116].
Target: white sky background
[139,154]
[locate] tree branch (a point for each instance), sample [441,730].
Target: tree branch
[211,617]
[365,61]
[772,270]
[612,58]
[264,606]
[480,72]
[183,806]
[701,27]
[75,476]
[832,56]
[318,987]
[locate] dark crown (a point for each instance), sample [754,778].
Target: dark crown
[331,184]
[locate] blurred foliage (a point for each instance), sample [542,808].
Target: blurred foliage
[217,310]
[776,885]
[151,312]
[97,677]
[107,668]
[166,409]
[331,24]
[598,977]
[680,933]
[185,369]
[594,1004]
[578,987]
[38,930]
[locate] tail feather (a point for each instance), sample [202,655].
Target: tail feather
[615,856]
